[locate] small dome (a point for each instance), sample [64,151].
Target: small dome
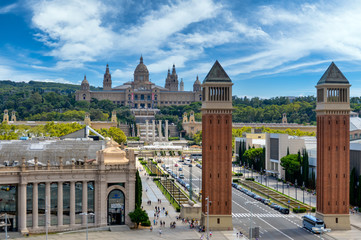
[141,68]
[197,82]
[84,81]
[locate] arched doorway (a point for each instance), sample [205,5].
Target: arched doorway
[116,207]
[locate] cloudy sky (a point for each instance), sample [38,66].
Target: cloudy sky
[268,48]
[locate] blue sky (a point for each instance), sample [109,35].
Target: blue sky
[268,48]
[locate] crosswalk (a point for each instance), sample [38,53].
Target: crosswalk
[260,215]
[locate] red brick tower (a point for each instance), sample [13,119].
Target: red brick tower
[333,149]
[217,149]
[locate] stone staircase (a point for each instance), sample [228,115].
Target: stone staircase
[125,128]
[143,131]
[173,131]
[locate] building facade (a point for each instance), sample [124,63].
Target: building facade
[333,149]
[141,93]
[99,192]
[217,150]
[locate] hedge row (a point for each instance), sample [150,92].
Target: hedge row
[299,210]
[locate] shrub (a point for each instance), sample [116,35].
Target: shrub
[235,180]
[238,174]
[154,162]
[143,162]
[177,209]
[299,210]
[153,174]
[173,138]
[150,159]
[140,159]
[145,223]
[250,179]
[313,209]
[156,179]
[132,138]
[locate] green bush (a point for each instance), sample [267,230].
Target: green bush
[173,138]
[235,180]
[153,174]
[299,210]
[150,159]
[238,174]
[313,209]
[156,179]
[177,209]
[132,138]
[140,159]
[154,162]
[145,223]
[250,179]
[143,162]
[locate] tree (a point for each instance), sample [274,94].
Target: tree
[305,168]
[253,156]
[115,133]
[291,165]
[138,190]
[138,216]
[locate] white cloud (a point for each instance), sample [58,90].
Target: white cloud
[8,8]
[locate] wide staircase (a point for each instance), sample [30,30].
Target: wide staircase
[125,128]
[173,131]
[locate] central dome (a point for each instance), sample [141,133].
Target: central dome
[141,68]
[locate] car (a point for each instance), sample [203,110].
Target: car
[267,202]
[235,185]
[169,170]
[180,169]
[277,207]
[176,165]
[181,176]
[284,210]
[257,198]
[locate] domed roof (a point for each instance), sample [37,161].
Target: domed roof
[84,81]
[197,82]
[141,68]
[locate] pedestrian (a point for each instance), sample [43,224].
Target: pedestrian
[160,232]
[210,234]
[237,235]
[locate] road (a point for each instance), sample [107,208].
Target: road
[246,212]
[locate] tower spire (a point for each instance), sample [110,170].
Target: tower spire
[141,59]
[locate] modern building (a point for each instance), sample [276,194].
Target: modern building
[217,150]
[68,194]
[141,93]
[333,149]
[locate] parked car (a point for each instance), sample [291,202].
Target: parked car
[180,169]
[266,201]
[258,198]
[272,205]
[181,176]
[284,210]
[235,185]
[176,165]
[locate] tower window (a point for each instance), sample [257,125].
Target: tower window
[210,147]
[336,220]
[226,203]
[226,147]
[218,175]
[210,121]
[210,175]
[218,121]
[218,220]
[226,121]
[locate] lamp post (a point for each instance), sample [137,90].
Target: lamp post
[252,171]
[277,182]
[303,186]
[261,176]
[283,186]
[296,188]
[288,186]
[207,199]
[86,214]
[250,221]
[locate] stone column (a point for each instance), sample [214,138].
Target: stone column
[160,130]
[166,130]
[47,203]
[153,121]
[35,205]
[60,204]
[85,202]
[146,130]
[72,203]
[22,205]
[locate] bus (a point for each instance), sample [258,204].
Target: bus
[312,223]
[196,156]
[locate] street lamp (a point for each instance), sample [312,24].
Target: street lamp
[277,181]
[250,221]
[252,171]
[86,214]
[283,187]
[261,176]
[296,188]
[207,199]
[303,186]
[5,225]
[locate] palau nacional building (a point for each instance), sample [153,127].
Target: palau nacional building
[142,93]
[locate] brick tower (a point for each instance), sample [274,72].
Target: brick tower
[333,149]
[217,149]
